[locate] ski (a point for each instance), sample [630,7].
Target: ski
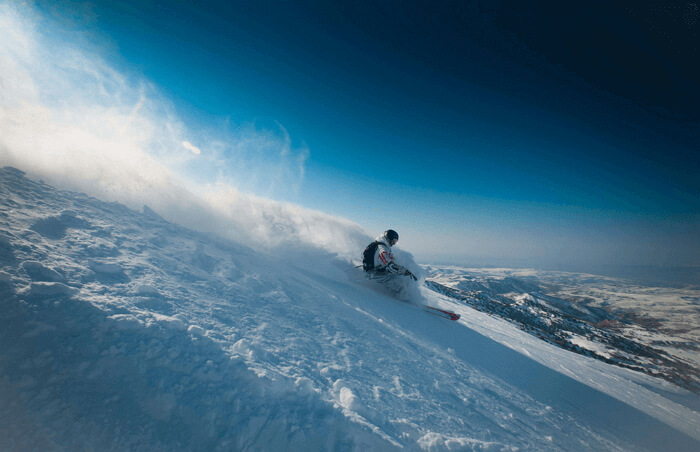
[442,313]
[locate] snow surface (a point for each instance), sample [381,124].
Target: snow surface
[122,331]
[583,313]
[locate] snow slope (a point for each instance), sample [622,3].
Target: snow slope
[659,335]
[122,331]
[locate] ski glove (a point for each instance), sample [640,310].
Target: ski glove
[399,270]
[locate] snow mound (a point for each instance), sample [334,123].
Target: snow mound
[50,289]
[38,272]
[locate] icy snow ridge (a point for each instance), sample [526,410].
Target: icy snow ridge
[161,338]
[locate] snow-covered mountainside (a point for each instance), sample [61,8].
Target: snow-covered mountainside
[121,331]
[655,330]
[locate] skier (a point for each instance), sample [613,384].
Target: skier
[378,263]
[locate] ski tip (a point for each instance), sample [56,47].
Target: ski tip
[442,313]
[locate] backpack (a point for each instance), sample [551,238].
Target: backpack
[368,256]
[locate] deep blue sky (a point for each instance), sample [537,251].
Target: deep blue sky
[493,122]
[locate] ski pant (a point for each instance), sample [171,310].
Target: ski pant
[398,285]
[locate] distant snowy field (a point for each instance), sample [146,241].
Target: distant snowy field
[122,331]
[677,309]
[665,317]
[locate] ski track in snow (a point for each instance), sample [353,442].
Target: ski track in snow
[124,332]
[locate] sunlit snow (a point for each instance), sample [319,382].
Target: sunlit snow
[123,331]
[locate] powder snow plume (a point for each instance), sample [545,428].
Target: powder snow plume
[70,117]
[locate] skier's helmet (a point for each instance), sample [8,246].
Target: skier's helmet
[391,236]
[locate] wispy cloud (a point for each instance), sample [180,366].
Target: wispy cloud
[191,147]
[70,117]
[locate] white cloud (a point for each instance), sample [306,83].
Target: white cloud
[191,147]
